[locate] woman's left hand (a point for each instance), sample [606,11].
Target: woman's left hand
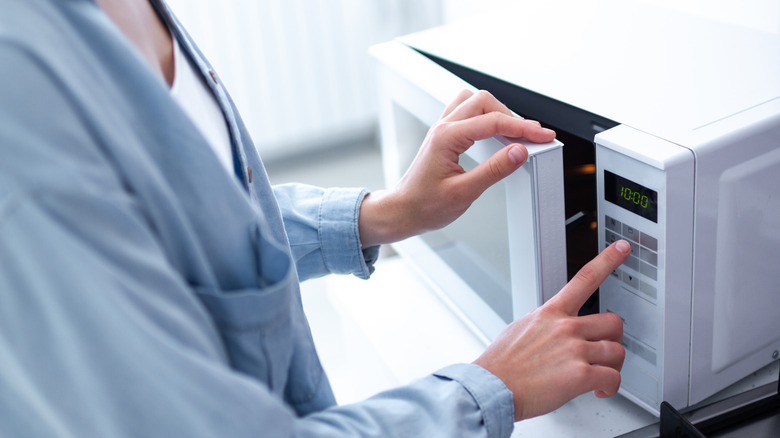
[436,190]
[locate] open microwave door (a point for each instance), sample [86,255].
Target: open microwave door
[507,254]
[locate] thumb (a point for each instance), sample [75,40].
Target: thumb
[496,168]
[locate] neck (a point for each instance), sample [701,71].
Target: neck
[140,23]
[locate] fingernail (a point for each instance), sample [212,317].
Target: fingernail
[549,131]
[516,155]
[623,246]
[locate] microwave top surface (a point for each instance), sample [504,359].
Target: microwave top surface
[657,69]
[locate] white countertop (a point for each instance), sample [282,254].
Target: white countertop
[377,334]
[387,331]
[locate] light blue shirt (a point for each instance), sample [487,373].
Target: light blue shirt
[145,292]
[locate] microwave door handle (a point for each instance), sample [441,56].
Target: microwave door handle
[535,208]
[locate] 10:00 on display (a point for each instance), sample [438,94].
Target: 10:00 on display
[631,196]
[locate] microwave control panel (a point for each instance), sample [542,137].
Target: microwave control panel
[631,208]
[645,196]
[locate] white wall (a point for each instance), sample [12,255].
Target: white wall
[299,70]
[760,14]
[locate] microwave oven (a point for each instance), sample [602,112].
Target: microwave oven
[669,129]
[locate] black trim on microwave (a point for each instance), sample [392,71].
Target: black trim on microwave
[530,104]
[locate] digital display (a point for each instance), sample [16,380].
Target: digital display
[634,197]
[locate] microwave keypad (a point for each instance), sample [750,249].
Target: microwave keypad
[643,258]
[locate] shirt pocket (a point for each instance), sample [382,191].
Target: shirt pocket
[256,323]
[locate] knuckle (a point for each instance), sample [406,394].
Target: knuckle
[495,170]
[615,321]
[484,96]
[465,93]
[614,355]
[497,116]
[583,372]
[614,350]
[588,275]
[497,119]
[568,327]
[613,384]
[545,313]
[580,349]
[620,352]
[609,383]
[439,130]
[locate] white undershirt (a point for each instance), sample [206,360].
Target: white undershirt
[201,106]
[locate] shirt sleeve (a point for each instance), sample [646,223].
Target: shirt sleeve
[322,226]
[462,400]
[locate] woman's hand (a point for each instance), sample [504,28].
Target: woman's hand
[435,189]
[551,355]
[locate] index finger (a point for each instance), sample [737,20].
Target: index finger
[491,124]
[571,298]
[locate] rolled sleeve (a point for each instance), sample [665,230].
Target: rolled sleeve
[459,401]
[341,247]
[322,227]
[494,399]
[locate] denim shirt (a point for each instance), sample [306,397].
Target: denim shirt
[144,291]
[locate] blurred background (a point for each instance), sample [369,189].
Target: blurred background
[299,70]
[300,73]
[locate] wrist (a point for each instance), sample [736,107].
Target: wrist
[383,219]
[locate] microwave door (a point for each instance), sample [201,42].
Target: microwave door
[507,254]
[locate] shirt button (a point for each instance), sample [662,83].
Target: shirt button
[249,174]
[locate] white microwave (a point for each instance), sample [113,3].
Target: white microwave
[670,138]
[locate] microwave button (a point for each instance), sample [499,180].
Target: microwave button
[612,224]
[634,248]
[648,256]
[616,273]
[648,289]
[645,353]
[632,262]
[649,271]
[648,241]
[630,233]
[631,280]
[610,237]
